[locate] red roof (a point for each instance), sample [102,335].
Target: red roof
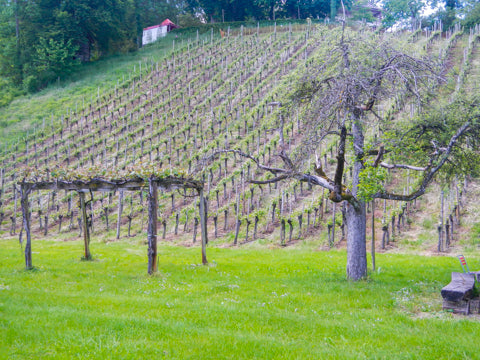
[167,22]
[152,27]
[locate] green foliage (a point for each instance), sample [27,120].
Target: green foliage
[188,20]
[371,180]
[401,11]
[242,10]
[475,234]
[7,92]
[472,15]
[442,123]
[53,58]
[428,223]
[360,11]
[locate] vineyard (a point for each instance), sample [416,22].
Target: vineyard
[193,113]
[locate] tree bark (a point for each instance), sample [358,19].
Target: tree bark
[195,225]
[373,236]
[290,224]
[237,230]
[356,216]
[177,218]
[215,220]
[106,216]
[164,225]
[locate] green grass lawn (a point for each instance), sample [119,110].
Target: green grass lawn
[248,303]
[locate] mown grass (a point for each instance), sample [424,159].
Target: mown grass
[248,303]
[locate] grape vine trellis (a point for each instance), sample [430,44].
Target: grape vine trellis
[98,184]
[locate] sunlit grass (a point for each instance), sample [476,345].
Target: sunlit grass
[248,303]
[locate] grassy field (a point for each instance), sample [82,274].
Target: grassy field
[248,303]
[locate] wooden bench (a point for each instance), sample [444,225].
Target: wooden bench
[458,294]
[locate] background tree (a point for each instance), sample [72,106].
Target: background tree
[10,71]
[470,12]
[402,12]
[269,8]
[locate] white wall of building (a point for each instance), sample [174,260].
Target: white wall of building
[152,35]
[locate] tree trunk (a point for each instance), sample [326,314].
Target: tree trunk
[356,244]
[129,224]
[106,216]
[237,230]
[225,212]
[355,217]
[300,221]
[385,237]
[195,225]
[164,225]
[373,236]
[290,224]
[60,218]
[45,232]
[330,237]
[185,226]
[177,218]
[248,226]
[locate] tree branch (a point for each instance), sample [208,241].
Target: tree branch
[402,166]
[269,181]
[340,164]
[430,171]
[380,153]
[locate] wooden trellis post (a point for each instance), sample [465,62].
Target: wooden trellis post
[152,225]
[120,210]
[25,190]
[86,231]
[203,226]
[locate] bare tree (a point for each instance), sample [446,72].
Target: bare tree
[352,74]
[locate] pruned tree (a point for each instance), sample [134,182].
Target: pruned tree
[338,96]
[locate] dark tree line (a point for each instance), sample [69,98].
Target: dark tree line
[42,40]
[241,10]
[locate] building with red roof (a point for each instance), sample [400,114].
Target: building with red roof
[153,33]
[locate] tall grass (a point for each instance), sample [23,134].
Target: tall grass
[248,303]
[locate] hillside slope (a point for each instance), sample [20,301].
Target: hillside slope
[209,95]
